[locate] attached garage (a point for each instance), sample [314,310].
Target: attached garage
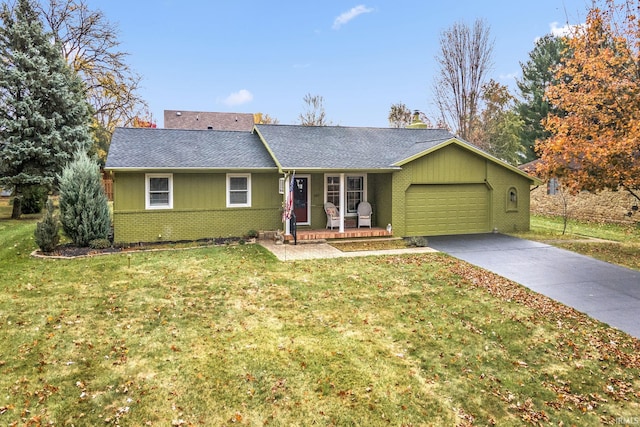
[440,209]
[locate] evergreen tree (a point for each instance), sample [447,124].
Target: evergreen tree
[537,74]
[47,232]
[84,209]
[44,115]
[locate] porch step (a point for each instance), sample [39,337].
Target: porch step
[349,233]
[305,241]
[370,239]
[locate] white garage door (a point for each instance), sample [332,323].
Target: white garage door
[433,210]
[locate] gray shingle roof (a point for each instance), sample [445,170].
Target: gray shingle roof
[142,148]
[293,148]
[330,147]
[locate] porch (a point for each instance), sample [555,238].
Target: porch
[349,233]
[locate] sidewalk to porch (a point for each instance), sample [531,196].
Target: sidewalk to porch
[290,252]
[349,233]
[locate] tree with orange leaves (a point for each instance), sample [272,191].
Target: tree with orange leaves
[595,143]
[139,122]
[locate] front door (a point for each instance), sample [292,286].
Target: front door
[301,199]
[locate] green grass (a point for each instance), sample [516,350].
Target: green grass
[230,336]
[554,225]
[614,243]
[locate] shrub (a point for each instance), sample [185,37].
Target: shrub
[33,199]
[99,244]
[84,209]
[252,234]
[47,231]
[417,242]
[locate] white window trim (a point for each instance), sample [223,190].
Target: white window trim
[238,175]
[347,175]
[326,186]
[147,189]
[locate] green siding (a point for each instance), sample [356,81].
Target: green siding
[451,164]
[318,217]
[457,168]
[199,208]
[199,201]
[505,217]
[380,190]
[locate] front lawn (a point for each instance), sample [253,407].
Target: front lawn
[230,336]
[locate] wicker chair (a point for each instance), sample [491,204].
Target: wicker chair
[333,215]
[364,214]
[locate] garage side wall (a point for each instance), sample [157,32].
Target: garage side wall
[509,214]
[199,208]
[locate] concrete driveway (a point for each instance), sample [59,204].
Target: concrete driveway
[604,291]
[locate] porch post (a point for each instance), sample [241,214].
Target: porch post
[287,223]
[343,204]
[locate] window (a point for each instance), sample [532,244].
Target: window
[355,192]
[238,190]
[333,190]
[512,199]
[159,191]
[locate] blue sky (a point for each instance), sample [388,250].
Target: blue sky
[361,56]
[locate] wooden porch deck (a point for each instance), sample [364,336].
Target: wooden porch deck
[349,233]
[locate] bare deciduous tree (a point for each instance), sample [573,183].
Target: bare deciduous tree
[89,43]
[464,59]
[399,115]
[315,114]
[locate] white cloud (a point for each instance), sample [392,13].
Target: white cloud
[238,98]
[349,15]
[509,76]
[563,31]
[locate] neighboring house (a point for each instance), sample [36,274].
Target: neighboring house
[190,184]
[178,119]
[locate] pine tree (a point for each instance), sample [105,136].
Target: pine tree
[84,209]
[44,115]
[537,74]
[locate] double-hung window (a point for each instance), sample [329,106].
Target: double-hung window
[238,190]
[159,191]
[333,190]
[354,191]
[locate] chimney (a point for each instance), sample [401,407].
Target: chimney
[416,123]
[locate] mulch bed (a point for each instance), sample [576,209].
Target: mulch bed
[69,250]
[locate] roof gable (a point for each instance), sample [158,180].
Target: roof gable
[472,148]
[143,148]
